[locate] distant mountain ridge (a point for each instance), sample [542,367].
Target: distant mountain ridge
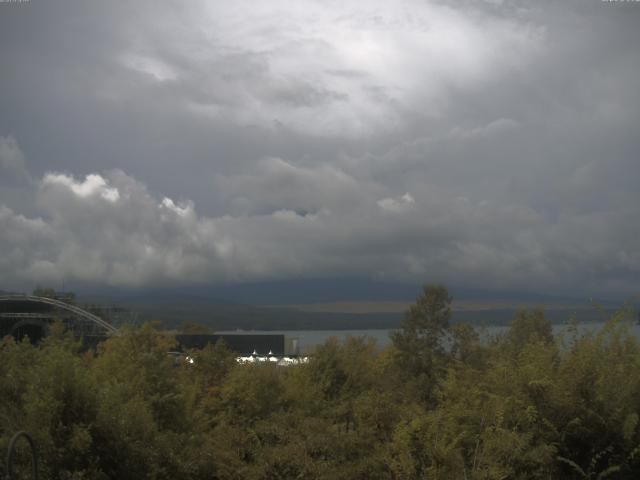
[294,304]
[302,291]
[322,304]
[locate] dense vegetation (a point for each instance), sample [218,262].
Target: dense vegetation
[437,404]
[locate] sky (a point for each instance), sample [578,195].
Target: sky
[489,144]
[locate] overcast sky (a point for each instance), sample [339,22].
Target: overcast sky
[491,144]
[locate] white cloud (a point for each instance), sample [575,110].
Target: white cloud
[399,204]
[180,209]
[91,186]
[140,240]
[107,228]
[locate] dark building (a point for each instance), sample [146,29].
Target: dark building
[242,344]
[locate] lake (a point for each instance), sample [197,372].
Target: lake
[307,339]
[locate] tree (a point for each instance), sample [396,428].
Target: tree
[191,327]
[465,344]
[529,326]
[419,343]
[44,292]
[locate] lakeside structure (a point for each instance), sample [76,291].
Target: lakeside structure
[32,316]
[244,344]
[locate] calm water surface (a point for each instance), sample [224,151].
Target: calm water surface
[307,339]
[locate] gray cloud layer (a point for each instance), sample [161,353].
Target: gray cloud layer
[481,143]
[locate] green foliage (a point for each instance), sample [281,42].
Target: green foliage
[437,404]
[529,326]
[189,326]
[68,297]
[419,343]
[44,292]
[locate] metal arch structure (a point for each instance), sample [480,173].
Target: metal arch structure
[96,325]
[11,450]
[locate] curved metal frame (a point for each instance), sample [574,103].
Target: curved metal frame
[11,449]
[65,306]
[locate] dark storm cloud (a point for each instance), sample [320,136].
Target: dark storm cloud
[489,143]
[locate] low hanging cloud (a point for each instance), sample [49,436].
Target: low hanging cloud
[108,228]
[275,184]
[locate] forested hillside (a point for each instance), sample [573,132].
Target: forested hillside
[436,404]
